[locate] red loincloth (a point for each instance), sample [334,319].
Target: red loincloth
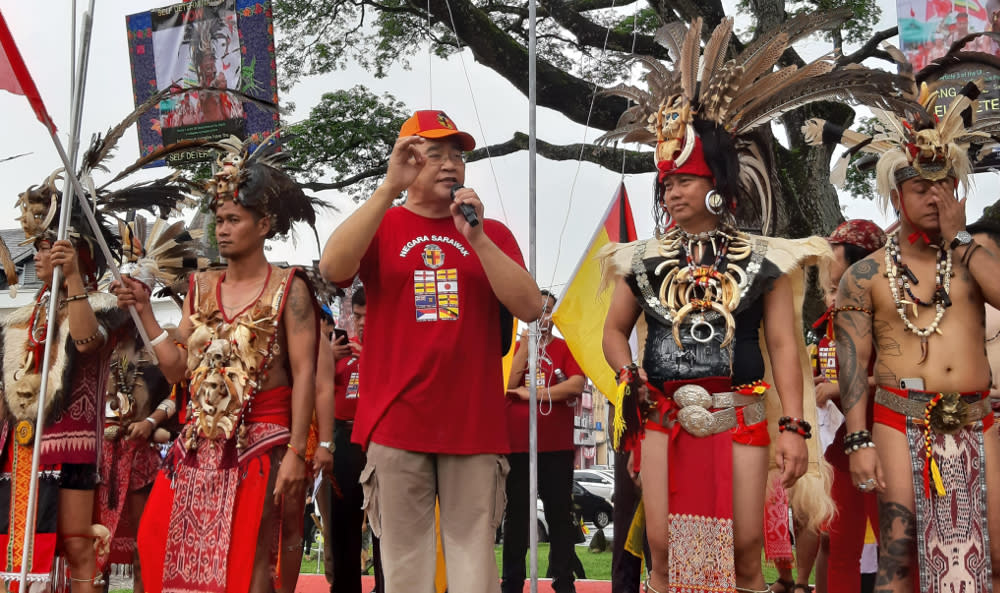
[701,502]
[207,518]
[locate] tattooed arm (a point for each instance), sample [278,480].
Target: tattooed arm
[854,349]
[299,320]
[853,330]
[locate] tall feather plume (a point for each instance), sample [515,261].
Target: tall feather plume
[795,28]
[722,91]
[870,87]
[771,86]
[763,61]
[165,256]
[671,36]
[715,55]
[157,155]
[688,66]
[102,146]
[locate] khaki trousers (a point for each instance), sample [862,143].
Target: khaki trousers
[400,490]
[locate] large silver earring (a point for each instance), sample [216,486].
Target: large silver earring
[714,202]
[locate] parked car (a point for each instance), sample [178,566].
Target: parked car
[594,509]
[596,481]
[543,525]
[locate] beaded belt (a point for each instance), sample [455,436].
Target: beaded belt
[695,402]
[948,415]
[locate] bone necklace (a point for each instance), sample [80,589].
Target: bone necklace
[900,277]
[699,289]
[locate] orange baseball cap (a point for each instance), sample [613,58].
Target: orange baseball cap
[434,124]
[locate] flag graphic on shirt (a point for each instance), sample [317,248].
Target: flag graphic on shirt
[447,298]
[435,294]
[425,295]
[352,386]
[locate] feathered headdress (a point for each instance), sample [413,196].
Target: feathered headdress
[257,181]
[163,254]
[702,113]
[919,137]
[40,207]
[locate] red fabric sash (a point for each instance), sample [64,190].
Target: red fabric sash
[222,506]
[273,406]
[701,502]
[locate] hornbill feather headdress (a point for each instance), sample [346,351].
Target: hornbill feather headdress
[702,113]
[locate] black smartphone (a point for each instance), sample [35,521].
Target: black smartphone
[339,333]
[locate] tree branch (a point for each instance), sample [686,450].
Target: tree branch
[608,157]
[366,174]
[588,5]
[496,50]
[590,33]
[870,48]
[605,156]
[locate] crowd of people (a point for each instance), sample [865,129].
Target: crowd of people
[409,425]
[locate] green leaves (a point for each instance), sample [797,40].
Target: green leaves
[349,133]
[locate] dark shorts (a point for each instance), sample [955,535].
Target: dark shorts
[78,476]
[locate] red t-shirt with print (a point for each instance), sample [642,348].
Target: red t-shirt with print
[433,373]
[555,421]
[346,388]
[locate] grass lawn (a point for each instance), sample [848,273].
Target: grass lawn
[597,566]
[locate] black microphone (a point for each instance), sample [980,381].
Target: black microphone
[467,210]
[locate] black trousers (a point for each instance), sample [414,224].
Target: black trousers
[346,514]
[555,488]
[626,569]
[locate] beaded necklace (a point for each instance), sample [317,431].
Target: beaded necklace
[900,276]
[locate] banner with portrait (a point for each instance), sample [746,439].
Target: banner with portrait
[212,46]
[928,28]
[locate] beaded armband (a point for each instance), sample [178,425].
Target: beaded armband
[856,441]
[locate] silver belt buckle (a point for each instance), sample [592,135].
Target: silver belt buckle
[694,402]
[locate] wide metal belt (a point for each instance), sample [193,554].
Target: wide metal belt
[949,415]
[695,415]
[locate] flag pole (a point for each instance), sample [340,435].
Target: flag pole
[80,78]
[533,328]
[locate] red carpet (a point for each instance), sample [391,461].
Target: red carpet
[316,583]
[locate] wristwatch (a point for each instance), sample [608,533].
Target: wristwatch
[961,238]
[328,445]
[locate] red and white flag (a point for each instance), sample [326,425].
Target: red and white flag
[14,76]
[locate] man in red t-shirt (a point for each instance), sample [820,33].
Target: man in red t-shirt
[559,381]
[440,288]
[346,513]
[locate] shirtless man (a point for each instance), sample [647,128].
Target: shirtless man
[928,334]
[240,459]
